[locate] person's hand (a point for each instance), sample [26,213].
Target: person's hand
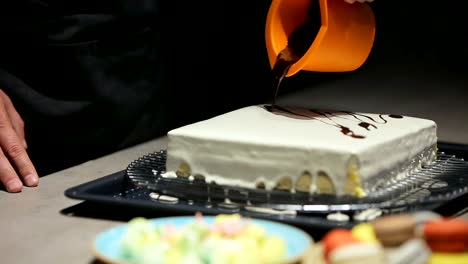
[15,166]
[361,1]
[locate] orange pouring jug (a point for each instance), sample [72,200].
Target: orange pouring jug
[343,42]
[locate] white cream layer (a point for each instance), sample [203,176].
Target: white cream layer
[251,144]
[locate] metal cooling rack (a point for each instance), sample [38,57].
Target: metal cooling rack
[443,180]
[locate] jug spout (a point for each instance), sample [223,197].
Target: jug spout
[324,35]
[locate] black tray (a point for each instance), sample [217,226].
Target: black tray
[116,190]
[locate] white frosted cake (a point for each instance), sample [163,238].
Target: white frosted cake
[300,149]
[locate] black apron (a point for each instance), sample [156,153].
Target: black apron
[84,75]
[90,77]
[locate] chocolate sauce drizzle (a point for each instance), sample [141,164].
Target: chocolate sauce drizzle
[326,117]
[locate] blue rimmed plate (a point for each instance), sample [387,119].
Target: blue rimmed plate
[106,246]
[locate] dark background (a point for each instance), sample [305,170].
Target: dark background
[416,67]
[222,47]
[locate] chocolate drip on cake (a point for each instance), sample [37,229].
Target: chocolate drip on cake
[358,117]
[391,116]
[348,132]
[326,117]
[367,125]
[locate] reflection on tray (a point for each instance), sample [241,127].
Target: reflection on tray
[444,180]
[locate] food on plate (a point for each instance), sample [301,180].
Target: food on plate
[302,150]
[229,239]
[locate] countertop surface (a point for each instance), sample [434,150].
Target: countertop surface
[40,225]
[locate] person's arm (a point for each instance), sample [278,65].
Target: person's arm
[16,168]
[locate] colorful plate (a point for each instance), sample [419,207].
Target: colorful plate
[106,244]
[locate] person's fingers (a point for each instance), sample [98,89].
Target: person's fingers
[18,125]
[14,151]
[8,176]
[15,119]
[18,157]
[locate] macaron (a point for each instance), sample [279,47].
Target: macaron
[448,258]
[413,251]
[421,217]
[358,253]
[447,235]
[342,246]
[394,230]
[336,238]
[365,233]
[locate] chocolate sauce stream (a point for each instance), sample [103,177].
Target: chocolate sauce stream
[299,42]
[280,69]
